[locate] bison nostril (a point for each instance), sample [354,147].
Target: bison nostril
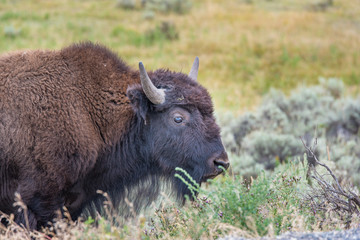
[221,162]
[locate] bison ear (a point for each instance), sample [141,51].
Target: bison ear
[138,100]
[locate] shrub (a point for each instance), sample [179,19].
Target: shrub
[11,32]
[165,31]
[282,146]
[166,6]
[267,205]
[271,134]
[126,4]
[334,201]
[163,6]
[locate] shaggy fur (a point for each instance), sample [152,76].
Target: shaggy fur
[77,120]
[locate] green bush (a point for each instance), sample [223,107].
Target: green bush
[11,32]
[165,31]
[126,4]
[271,135]
[166,6]
[163,6]
[267,205]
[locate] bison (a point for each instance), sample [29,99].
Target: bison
[79,120]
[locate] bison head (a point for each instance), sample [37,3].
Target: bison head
[178,128]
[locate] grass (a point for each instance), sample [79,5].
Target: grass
[267,206]
[244,48]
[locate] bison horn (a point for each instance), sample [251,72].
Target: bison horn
[155,95]
[194,69]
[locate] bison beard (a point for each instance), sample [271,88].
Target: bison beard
[79,120]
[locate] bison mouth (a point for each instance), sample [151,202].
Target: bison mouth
[211,175]
[207,177]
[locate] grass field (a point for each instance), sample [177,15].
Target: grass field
[244,48]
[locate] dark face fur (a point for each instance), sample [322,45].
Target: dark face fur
[181,132]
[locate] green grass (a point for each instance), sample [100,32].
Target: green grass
[244,49]
[267,206]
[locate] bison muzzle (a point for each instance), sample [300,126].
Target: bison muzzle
[79,120]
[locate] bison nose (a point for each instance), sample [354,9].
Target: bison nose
[218,163]
[222,162]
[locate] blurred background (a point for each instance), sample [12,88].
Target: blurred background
[245,47]
[276,69]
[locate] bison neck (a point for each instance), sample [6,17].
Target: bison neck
[123,171]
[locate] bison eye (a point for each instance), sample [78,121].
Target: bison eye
[178,119]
